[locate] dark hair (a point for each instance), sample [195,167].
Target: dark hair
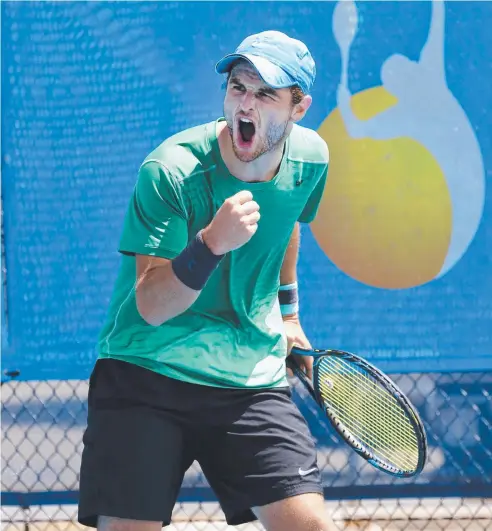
[295,90]
[297,94]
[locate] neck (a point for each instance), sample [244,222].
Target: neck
[262,169]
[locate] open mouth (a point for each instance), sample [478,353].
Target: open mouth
[246,130]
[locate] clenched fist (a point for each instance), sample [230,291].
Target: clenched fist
[233,225]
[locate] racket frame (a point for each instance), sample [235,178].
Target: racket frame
[341,429]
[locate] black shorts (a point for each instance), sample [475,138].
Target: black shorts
[145,430]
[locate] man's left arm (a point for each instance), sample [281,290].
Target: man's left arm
[289,300]
[288,293]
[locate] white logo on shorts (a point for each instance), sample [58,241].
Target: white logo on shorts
[307,472]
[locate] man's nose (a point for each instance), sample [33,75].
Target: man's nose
[247,102]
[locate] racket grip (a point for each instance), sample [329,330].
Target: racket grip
[292,364]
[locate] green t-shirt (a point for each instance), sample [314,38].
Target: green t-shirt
[233,335]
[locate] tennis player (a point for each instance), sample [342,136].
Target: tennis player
[191,361]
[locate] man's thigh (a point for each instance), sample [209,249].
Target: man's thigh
[262,454]
[135,454]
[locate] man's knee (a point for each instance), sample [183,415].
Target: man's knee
[318,522]
[302,522]
[305,512]
[111,523]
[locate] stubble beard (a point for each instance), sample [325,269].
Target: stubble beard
[275,136]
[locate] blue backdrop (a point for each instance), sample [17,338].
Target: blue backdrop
[89,88]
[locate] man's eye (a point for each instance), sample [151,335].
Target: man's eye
[238,87]
[264,95]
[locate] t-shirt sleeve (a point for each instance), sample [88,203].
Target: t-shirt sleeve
[156,221]
[312,205]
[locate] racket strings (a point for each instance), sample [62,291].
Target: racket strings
[371,388]
[371,413]
[379,409]
[385,447]
[382,448]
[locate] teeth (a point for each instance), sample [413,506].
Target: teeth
[245,120]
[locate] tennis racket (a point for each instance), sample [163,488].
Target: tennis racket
[366,409]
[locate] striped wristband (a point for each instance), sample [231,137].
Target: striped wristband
[288,297]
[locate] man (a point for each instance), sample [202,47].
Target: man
[192,357]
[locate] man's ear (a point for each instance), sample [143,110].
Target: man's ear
[300,109]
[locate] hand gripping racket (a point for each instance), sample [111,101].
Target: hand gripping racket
[367,410]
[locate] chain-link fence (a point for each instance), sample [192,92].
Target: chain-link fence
[43,423]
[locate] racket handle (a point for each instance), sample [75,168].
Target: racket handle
[296,369]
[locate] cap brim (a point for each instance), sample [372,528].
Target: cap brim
[270,73]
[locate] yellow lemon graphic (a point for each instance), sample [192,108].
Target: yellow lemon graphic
[385,218]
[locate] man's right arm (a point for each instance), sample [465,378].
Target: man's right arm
[166,288]
[160,294]
[155,231]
